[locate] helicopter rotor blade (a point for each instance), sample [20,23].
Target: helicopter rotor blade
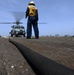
[17,22]
[6,22]
[11,22]
[42,23]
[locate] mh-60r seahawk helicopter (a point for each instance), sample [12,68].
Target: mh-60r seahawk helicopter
[17,28]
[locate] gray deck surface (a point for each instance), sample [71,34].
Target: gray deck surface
[11,60]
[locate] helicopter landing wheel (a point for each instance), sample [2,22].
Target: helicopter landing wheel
[24,35]
[11,35]
[16,35]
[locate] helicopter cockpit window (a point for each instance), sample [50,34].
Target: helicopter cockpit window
[19,27]
[16,27]
[22,27]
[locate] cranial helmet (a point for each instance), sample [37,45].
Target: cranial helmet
[31,3]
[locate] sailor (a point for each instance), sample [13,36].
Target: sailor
[32,14]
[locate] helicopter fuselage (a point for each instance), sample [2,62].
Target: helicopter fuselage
[17,30]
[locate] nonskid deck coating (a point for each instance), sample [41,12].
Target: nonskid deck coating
[11,60]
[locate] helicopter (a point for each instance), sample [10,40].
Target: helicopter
[17,29]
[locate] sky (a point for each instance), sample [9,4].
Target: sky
[57,14]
